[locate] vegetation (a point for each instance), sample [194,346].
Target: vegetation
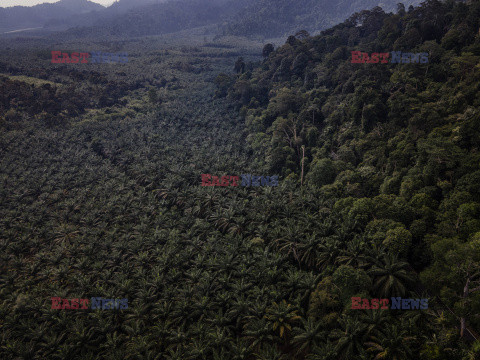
[272,18]
[379,194]
[393,147]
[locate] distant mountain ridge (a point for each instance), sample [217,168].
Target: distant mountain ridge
[123,5]
[19,17]
[159,17]
[267,18]
[156,19]
[284,17]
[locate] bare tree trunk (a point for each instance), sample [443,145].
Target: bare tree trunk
[295,138]
[462,320]
[303,162]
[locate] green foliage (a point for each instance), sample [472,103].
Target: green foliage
[351,281]
[376,230]
[267,50]
[274,18]
[100,196]
[223,82]
[153,96]
[322,172]
[398,241]
[393,146]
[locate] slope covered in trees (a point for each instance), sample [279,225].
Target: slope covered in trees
[394,146]
[272,18]
[160,18]
[19,17]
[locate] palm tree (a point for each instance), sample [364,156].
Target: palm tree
[221,320]
[308,336]
[270,352]
[374,319]
[281,317]
[391,343]
[221,353]
[219,337]
[354,254]
[257,332]
[65,234]
[239,349]
[178,353]
[287,243]
[350,337]
[329,251]
[391,276]
[309,249]
[239,310]
[323,351]
[199,346]
[52,342]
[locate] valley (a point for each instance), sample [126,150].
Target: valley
[219,196]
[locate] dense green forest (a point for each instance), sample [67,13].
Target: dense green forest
[379,194]
[271,18]
[393,147]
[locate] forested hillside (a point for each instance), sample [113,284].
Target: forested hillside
[265,18]
[161,18]
[271,18]
[18,17]
[393,147]
[123,5]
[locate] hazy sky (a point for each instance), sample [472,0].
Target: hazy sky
[6,3]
